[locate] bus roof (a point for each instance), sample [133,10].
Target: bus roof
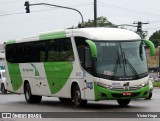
[98,33]
[106,34]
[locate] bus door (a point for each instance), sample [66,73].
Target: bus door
[86,63]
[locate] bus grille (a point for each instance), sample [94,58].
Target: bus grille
[121,88]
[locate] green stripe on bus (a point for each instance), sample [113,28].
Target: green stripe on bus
[52,35]
[57,74]
[15,75]
[11,42]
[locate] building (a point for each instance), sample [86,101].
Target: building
[153,63]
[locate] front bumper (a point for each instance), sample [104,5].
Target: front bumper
[106,94]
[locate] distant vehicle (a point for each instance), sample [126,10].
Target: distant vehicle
[157,79]
[3,82]
[151,89]
[151,78]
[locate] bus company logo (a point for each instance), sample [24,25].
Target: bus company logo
[126,86]
[27,70]
[34,69]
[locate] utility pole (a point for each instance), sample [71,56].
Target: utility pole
[139,28]
[95,13]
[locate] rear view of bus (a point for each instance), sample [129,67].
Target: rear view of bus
[106,64]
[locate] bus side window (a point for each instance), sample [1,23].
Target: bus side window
[65,51]
[59,50]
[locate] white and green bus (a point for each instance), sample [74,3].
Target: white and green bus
[87,64]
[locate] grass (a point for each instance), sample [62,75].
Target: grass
[156,84]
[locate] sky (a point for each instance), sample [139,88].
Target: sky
[15,23]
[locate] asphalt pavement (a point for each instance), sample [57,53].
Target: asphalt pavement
[93,111]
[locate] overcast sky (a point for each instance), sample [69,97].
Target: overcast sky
[45,18]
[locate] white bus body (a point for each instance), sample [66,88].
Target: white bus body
[79,64]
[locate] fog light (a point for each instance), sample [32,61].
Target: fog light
[102,94]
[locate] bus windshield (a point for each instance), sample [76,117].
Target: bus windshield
[121,60]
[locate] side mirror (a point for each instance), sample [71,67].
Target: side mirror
[93,48]
[141,50]
[151,46]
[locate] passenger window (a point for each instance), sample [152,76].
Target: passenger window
[60,50]
[53,50]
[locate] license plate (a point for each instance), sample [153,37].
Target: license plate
[127,93]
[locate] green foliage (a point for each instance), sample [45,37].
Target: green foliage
[155,38]
[156,84]
[101,22]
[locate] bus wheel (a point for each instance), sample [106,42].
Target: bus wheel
[3,89]
[123,102]
[29,97]
[150,96]
[77,97]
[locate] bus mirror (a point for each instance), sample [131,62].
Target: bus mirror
[151,46]
[141,50]
[93,48]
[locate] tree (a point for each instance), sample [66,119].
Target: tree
[155,38]
[101,22]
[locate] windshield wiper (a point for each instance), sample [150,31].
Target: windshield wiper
[118,62]
[126,61]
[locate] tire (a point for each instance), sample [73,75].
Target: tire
[3,89]
[65,100]
[150,96]
[29,97]
[123,102]
[77,97]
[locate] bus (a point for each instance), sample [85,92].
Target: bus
[79,65]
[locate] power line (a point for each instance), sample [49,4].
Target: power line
[15,10]
[38,18]
[9,14]
[126,9]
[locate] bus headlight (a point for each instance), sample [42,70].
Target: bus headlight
[143,84]
[103,85]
